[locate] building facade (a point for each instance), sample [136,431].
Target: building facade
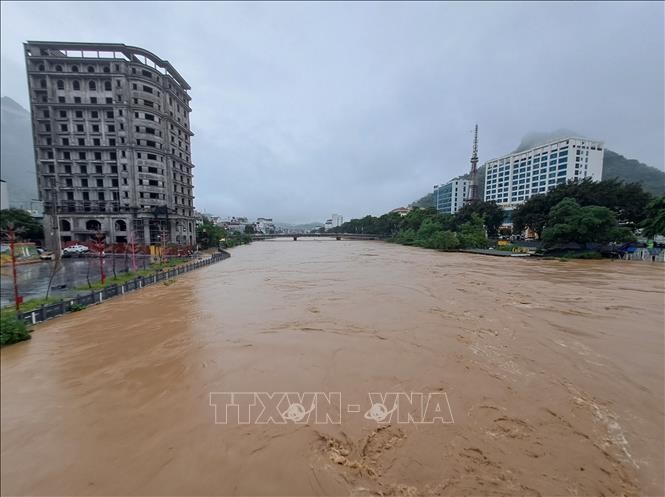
[513,179]
[450,197]
[112,143]
[264,225]
[337,220]
[4,195]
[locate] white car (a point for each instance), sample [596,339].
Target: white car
[75,250]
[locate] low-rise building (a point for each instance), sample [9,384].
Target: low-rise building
[450,197]
[264,225]
[402,211]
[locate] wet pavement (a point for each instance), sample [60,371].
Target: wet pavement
[74,272]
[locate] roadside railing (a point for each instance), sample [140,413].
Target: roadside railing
[49,311]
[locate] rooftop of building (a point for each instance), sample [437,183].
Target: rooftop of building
[547,144]
[131,54]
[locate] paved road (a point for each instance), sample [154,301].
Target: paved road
[33,278]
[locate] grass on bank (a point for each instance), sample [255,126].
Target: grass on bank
[123,278]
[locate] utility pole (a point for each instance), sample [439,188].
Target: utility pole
[473,188]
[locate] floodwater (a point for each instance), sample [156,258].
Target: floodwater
[553,372]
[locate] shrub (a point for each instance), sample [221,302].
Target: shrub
[12,330]
[443,240]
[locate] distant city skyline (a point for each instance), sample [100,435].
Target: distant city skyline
[301,110]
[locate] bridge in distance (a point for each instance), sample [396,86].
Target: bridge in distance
[337,236]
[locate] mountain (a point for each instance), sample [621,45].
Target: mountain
[633,171]
[615,165]
[17,159]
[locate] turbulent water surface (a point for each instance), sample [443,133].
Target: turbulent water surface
[553,372]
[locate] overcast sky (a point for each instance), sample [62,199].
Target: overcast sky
[305,109]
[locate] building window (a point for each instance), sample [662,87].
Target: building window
[91,69]
[92,85]
[61,84]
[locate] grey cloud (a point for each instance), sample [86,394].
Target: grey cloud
[304,109]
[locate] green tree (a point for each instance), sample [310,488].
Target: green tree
[532,214]
[472,233]
[568,222]
[249,229]
[443,240]
[27,228]
[415,218]
[209,234]
[654,224]
[491,214]
[627,200]
[406,237]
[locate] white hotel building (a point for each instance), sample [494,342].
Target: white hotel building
[513,179]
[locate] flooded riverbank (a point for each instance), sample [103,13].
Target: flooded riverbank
[553,372]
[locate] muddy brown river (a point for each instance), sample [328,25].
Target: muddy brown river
[552,375]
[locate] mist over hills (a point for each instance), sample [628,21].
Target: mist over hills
[17,160]
[615,165]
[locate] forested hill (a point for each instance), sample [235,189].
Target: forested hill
[633,171]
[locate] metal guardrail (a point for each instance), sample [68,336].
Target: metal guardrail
[49,311]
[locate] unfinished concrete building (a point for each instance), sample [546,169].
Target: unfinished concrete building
[112,144]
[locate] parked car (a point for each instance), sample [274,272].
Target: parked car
[75,250]
[45,255]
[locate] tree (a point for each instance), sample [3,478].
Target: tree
[249,229]
[443,240]
[491,214]
[472,233]
[532,214]
[568,222]
[209,234]
[27,228]
[654,224]
[627,200]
